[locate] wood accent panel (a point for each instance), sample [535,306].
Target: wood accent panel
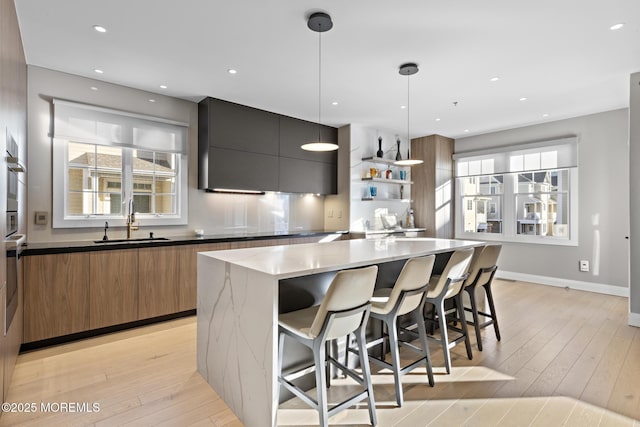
[187,272]
[56,295]
[433,185]
[157,281]
[113,298]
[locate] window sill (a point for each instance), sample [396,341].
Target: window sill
[536,240]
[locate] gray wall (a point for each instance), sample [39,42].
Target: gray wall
[603,193]
[634,197]
[214,213]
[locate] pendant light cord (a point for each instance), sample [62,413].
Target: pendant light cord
[319,80]
[408,117]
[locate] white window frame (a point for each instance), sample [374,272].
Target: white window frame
[60,179]
[510,191]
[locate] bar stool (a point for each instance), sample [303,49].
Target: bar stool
[449,285]
[406,296]
[344,310]
[481,271]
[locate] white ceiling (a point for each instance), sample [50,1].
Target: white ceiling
[559,54]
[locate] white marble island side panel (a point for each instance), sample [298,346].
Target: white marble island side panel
[238,310]
[236,338]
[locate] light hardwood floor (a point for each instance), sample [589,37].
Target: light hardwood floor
[566,358]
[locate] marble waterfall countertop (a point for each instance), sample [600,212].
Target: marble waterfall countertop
[238,301]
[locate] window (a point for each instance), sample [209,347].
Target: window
[483,198]
[105,162]
[525,193]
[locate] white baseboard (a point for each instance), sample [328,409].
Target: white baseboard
[601,288]
[634,319]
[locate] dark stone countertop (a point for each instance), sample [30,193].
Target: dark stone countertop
[90,245]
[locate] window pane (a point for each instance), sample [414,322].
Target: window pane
[154,182]
[80,203]
[164,184]
[94,175]
[142,203]
[542,203]
[486,184]
[165,204]
[482,214]
[558,212]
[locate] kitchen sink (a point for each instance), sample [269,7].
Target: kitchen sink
[139,240]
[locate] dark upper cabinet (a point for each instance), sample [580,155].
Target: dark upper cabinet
[244,148]
[242,128]
[304,176]
[242,170]
[295,132]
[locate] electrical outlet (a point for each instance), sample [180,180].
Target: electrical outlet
[584,265]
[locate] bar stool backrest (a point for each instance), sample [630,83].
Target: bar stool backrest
[349,289]
[487,258]
[456,267]
[414,275]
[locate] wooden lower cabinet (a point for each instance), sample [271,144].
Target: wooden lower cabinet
[187,272]
[56,295]
[77,292]
[157,281]
[113,296]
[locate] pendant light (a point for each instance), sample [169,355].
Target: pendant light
[408,70]
[319,22]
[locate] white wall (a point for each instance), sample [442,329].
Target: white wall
[215,213]
[603,194]
[634,196]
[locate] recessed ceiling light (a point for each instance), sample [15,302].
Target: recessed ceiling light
[545,115]
[616,26]
[100,28]
[523,99]
[93,88]
[438,119]
[232,71]
[466,131]
[98,71]
[494,79]
[152,100]
[403,106]
[163,86]
[334,103]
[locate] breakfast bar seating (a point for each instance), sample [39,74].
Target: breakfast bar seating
[238,309]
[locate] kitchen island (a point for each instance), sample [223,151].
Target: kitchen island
[237,309]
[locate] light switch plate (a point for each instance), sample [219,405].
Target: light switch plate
[41,218]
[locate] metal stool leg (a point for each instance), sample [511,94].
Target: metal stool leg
[463,323]
[366,373]
[320,359]
[444,336]
[425,345]
[471,290]
[492,309]
[395,359]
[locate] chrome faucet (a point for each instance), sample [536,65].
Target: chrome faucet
[106,226]
[131,219]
